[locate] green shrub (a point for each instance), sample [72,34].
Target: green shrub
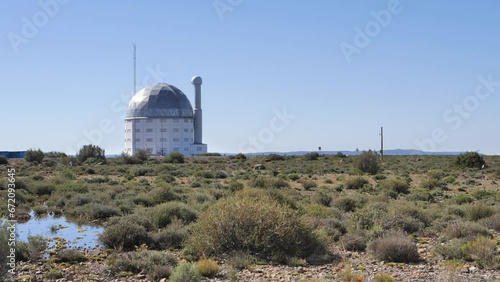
[241,260]
[464,229]
[33,250]
[432,183]
[3,160]
[470,160]
[239,156]
[40,210]
[165,213]
[125,236]
[322,198]
[293,176]
[355,182]
[394,187]
[253,221]
[394,247]
[308,184]
[493,222]
[482,194]
[346,204]
[483,251]
[142,154]
[312,156]
[461,199]
[70,255]
[163,194]
[175,158]
[268,183]
[91,153]
[478,211]
[379,177]
[43,189]
[452,250]
[368,162]
[353,242]
[129,159]
[157,264]
[34,156]
[328,181]
[274,157]
[450,179]
[186,272]
[97,211]
[143,171]
[235,186]
[139,218]
[171,237]
[207,267]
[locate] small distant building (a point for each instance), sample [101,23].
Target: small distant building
[13,154]
[161,120]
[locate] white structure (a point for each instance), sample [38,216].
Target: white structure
[160,119]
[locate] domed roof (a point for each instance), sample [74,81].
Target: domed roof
[159,101]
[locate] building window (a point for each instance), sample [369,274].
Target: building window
[129,130]
[186,149]
[186,139]
[137,130]
[163,139]
[186,130]
[176,120]
[176,139]
[137,140]
[149,139]
[198,149]
[176,150]
[150,150]
[176,129]
[149,130]
[149,121]
[163,130]
[186,120]
[163,120]
[137,121]
[129,140]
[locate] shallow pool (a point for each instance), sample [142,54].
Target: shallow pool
[54,228]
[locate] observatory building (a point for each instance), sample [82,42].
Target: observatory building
[160,119]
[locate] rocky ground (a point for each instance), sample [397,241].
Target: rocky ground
[358,266]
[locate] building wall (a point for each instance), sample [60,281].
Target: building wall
[160,136]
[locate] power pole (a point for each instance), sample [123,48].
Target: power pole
[382,142]
[135,68]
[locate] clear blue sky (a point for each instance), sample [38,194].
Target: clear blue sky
[67,68]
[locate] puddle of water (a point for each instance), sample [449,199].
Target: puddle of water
[76,235]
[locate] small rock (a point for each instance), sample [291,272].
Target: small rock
[464,269]
[472,269]
[395,274]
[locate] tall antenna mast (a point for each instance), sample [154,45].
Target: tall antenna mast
[135,68]
[382,142]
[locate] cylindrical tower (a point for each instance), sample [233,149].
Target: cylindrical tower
[198,123]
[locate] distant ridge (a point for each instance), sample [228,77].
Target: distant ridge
[393,152]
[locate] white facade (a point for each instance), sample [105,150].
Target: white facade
[161,120]
[160,136]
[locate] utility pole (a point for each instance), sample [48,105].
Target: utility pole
[382,142]
[135,68]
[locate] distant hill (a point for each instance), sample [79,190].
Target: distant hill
[393,152]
